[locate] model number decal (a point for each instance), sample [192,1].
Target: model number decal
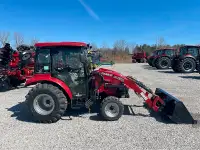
[119,78]
[107,74]
[115,77]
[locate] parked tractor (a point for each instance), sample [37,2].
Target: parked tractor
[187,59]
[15,66]
[62,81]
[163,57]
[139,57]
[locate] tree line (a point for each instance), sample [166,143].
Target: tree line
[121,46]
[7,37]
[120,51]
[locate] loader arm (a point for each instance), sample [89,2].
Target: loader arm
[153,101]
[159,101]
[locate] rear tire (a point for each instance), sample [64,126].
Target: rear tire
[111,108]
[143,60]
[134,61]
[47,109]
[162,63]
[138,60]
[187,65]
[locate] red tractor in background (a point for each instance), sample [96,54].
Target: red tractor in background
[63,81]
[187,59]
[161,58]
[15,66]
[139,57]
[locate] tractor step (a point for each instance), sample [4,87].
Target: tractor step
[78,101]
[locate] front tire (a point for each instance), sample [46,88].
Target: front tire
[47,103]
[111,108]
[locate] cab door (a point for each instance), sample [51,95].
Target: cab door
[67,67]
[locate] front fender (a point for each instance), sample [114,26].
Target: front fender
[38,78]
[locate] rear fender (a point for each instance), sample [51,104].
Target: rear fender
[46,78]
[187,56]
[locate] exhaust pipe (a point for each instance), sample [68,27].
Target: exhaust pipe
[174,109]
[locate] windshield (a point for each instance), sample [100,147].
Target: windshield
[169,52]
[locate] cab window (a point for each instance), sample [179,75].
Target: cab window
[43,60]
[193,51]
[169,52]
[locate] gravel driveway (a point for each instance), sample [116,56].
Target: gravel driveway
[88,132]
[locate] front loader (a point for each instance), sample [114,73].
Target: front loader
[64,81]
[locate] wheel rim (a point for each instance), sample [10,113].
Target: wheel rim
[26,56]
[112,110]
[43,104]
[164,64]
[187,66]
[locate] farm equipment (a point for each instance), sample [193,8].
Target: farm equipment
[187,59]
[139,57]
[97,59]
[16,66]
[67,83]
[163,57]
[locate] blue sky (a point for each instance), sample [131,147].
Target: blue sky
[103,21]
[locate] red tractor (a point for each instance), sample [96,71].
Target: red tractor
[139,57]
[16,66]
[62,81]
[187,59]
[161,58]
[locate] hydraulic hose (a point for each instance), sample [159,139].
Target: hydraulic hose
[140,84]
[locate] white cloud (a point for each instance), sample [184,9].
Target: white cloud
[89,10]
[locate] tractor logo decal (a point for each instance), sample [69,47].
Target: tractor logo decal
[118,78]
[111,75]
[107,74]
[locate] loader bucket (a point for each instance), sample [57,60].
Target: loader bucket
[174,109]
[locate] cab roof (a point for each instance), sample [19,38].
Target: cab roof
[190,46]
[165,49]
[50,44]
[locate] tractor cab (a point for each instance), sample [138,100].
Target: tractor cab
[189,51]
[64,61]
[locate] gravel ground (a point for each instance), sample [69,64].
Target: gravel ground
[88,132]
